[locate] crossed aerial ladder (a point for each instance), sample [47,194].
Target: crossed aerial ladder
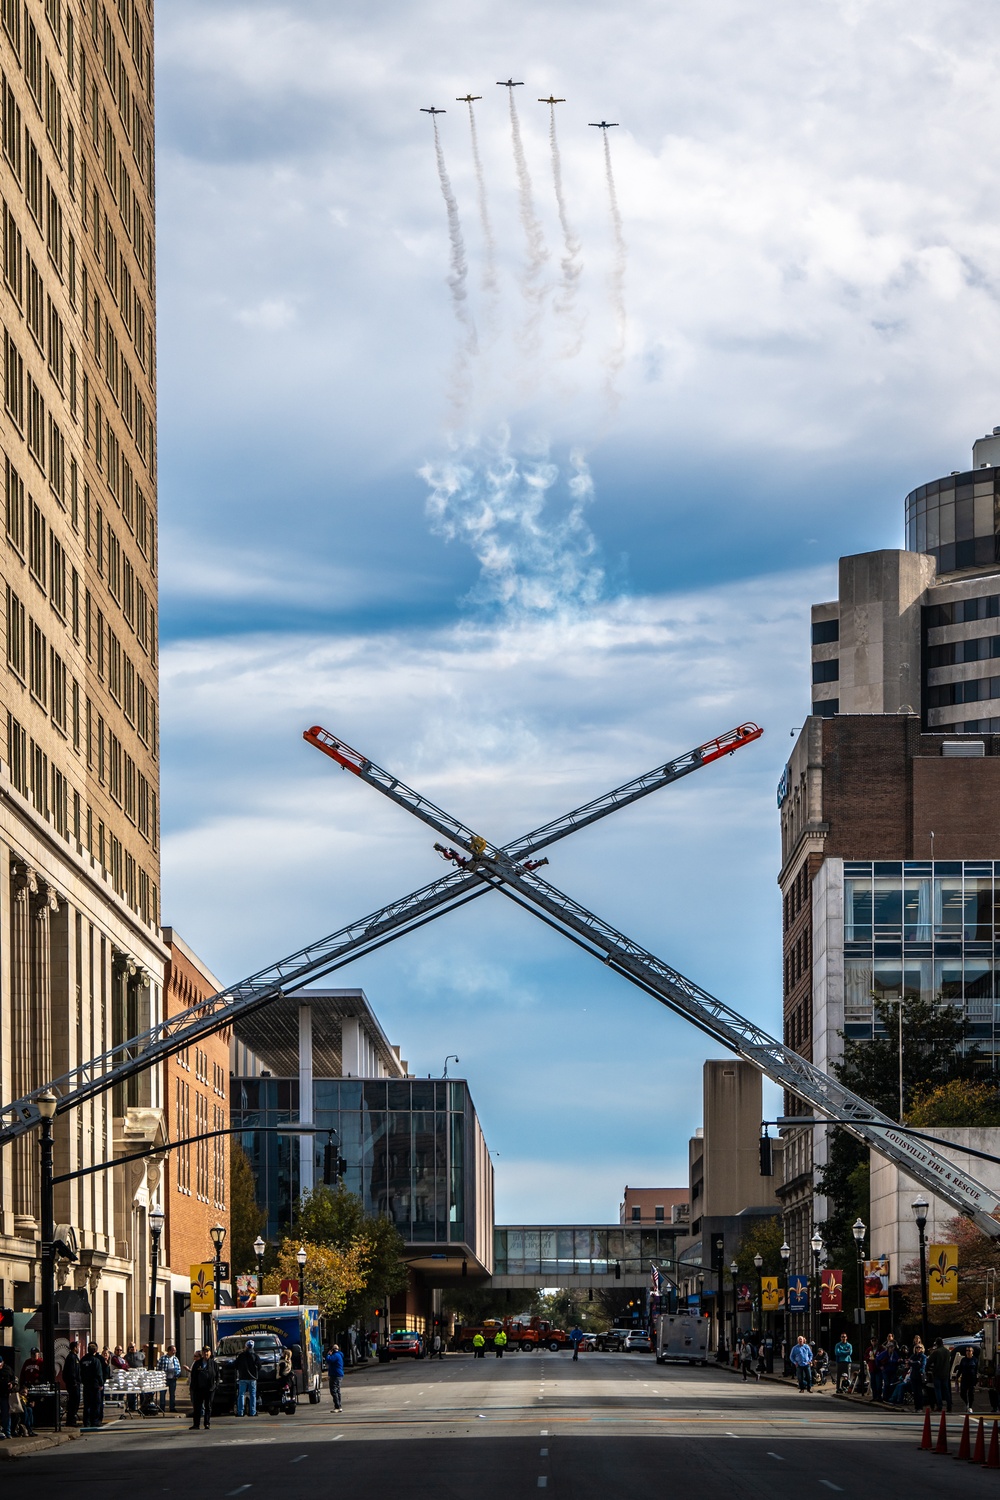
[478,867]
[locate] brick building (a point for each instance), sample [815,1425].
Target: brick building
[82,961]
[195,1178]
[654,1206]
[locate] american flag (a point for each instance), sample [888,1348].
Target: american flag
[654,1281]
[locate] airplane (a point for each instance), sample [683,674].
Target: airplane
[508,83]
[550,100]
[604,124]
[432,111]
[468,99]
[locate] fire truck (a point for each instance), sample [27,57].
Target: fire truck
[525,1334]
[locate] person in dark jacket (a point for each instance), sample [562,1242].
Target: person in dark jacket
[71,1380]
[203,1380]
[94,1373]
[247,1375]
[939,1374]
[7,1384]
[335,1370]
[968,1370]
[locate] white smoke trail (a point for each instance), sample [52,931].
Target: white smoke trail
[524,520]
[570,262]
[457,282]
[534,291]
[490,281]
[616,354]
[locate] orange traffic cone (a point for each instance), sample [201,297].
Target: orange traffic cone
[979,1451]
[993,1456]
[963,1447]
[925,1441]
[942,1438]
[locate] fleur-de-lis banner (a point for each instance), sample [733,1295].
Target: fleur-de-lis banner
[203,1287]
[831,1291]
[942,1273]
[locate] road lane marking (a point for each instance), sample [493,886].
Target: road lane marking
[543,1453]
[544,1432]
[777,1456]
[337,1438]
[732,1434]
[299,1459]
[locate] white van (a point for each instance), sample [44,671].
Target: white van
[682,1336]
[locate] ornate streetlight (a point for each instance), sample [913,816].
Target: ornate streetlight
[156,1221]
[218,1234]
[734,1271]
[817,1249]
[785,1253]
[47,1104]
[301,1257]
[758,1261]
[858,1230]
[259,1246]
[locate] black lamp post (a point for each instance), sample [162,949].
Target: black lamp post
[817,1249]
[301,1257]
[785,1253]
[259,1246]
[47,1103]
[920,1207]
[734,1271]
[218,1234]
[858,1230]
[156,1220]
[758,1261]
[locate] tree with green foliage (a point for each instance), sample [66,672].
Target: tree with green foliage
[336,1217]
[932,1038]
[246,1217]
[959,1102]
[764,1237]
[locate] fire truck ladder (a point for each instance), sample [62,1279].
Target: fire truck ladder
[454,889]
[919,1160]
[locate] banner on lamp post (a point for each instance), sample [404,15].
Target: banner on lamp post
[289,1291]
[771,1295]
[942,1273]
[744,1297]
[798,1294]
[246,1291]
[203,1287]
[877,1285]
[831,1291]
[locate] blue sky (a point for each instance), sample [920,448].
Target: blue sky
[519,573]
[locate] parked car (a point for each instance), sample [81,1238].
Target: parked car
[638,1342]
[614,1338]
[406,1341]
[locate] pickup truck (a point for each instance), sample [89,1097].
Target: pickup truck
[614,1339]
[276,1383]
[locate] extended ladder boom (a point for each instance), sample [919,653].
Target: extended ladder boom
[453,889]
[931,1168]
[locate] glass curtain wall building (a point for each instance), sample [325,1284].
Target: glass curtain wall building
[413,1149]
[914,929]
[562,1251]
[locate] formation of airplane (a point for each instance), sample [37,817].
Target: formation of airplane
[551,100]
[604,124]
[513,83]
[468,98]
[508,83]
[432,111]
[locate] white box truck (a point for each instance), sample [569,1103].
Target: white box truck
[682,1336]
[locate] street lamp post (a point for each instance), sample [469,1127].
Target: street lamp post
[758,1261]
[218,1234]
[733,1271]
[47,1103]
[920,1207]
[301,1257]
[156,1220]
[817,1249]
[858,1230]
[259,1246]
[785,1253]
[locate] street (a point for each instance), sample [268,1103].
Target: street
[617,1425]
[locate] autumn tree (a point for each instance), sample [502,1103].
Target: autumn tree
[330,1276]
[336,1217]
[978,1269]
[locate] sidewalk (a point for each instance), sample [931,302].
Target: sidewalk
[791,1382]
[15,1448]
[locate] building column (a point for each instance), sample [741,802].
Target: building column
[306,1112]
[350,1047]
[24,886]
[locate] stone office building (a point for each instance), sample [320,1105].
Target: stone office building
[81,958]
[890,801]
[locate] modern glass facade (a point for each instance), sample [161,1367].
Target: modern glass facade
[916,928]
[956,520]
[565,1250]
[409,1145]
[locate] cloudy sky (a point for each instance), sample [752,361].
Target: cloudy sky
[421,483]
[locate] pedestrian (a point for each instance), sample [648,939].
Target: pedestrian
[135,1359]
[478,1346]
[247,1375]
[968,1371]
[170,1367]
[71,1380]
[335,1372]
[203,1380]
[918,1369]
[500,1342]
[821,1364]
[7,1385]
[95,1371]
[761,1359]
[746,1357]
[437,1347]
[843,1353]
[576,1339]
[938,1373]
[802,1358]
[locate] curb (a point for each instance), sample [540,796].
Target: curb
[17,1448]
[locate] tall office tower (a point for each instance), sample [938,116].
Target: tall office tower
[81,957]
[890,801]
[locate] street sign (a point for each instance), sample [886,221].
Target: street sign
[154,1337]
[223,1270]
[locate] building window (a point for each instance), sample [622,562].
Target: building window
[13,382]
[826,671]
[14,503]
[824,632]
[39,665]
[17,650]
[825,708]
[658,1213]
[17,754]
[636,1215]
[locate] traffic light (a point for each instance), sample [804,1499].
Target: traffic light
[334,1165]
[6,1318]
[766,1156]
[618,1270]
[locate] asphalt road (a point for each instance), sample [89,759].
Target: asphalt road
[609,1427]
